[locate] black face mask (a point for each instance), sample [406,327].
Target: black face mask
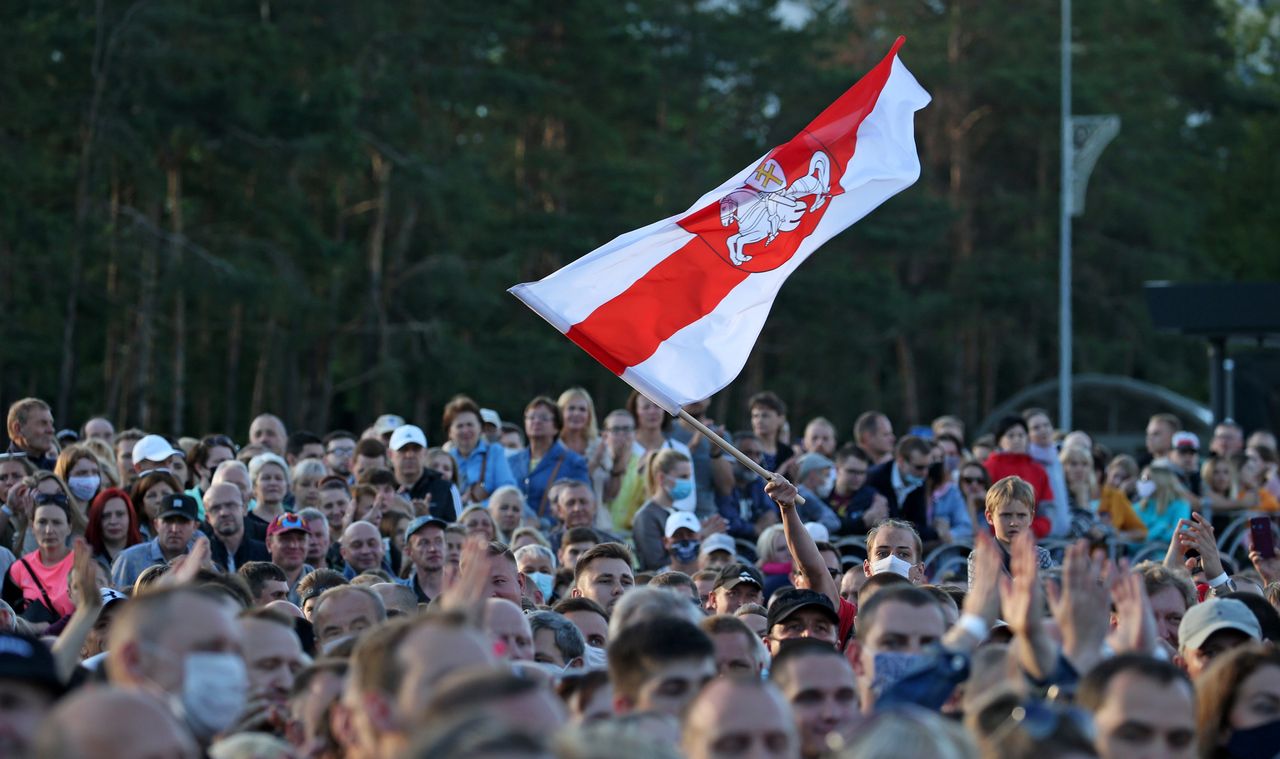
[935,472]
[1261,742]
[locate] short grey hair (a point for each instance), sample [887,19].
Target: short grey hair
[535,550]
[568,638]
[308,468]
[231,464]
[649,602]
[262,459]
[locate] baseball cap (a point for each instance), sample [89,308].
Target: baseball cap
[811,462]
[287,523]
[680,519]
[406,434]
[26,659]
[791,600]
[111,596]
[717,542]
[421,522]
[179,504]
[387,423]
[736,573]
[1205,619]
[153,448]
[489,416]
[1186,440]
[818,531]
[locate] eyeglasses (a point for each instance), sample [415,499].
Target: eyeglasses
[974,480]
[538,418]
[619,430]
[1040,719]
[342,450]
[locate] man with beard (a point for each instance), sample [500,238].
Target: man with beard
[224,515]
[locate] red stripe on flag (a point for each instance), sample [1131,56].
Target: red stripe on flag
[692,281]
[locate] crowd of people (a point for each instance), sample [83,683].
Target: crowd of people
[580,585]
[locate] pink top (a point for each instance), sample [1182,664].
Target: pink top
[53,578]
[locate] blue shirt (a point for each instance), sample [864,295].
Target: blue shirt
[559,463]
[1160,527]
[133,560]
[486,464]
[951,507]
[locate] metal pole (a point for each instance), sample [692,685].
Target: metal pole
[1064,232]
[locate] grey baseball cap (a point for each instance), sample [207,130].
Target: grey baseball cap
[1205,619]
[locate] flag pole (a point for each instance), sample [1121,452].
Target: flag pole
[729,448]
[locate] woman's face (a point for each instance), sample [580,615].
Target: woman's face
[51,527]
[115,520]
[648,414]
[217,455]
[1251,473]
[973,482]
[1257,700]
[506,511]
[1116,477]
[478,522]
[443,463]
[179,467]
[1076,470]
[306,491]
[151,501]
[683,470]
[1220,477]
[576,413]
[11,473]
[464,430]
[780,548]
[540,422]
[1014,440]
[271,486]
[86,466]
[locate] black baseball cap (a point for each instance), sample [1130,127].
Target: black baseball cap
[27,660]
[791,600]
[737,572]
[179,504]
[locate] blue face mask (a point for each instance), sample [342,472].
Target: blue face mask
[685,551]
[913,480]
[1258,742]
[545,582]
[892,666]
[681,489]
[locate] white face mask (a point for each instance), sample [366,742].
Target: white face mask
[84,487]
[545,582]
[213,692]
[595,658]
[1145,489]
[893,564]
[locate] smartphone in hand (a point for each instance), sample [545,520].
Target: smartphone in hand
[1262,537]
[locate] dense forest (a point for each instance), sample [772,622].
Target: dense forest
[215,208]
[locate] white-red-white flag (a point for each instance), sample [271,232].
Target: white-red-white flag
[674,308]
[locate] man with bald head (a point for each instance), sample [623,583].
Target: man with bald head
[99,428]
[267,430]
[224,524]
[113,723]
[182,644]
[361,548]
[400,600]
[509,629]
[739,716]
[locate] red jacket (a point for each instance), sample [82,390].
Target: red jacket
[1001,464]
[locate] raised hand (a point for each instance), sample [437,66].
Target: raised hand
[84,568]
[1135,621]
[1198,534]
[1080,605]
[1269,568]
[1024,608]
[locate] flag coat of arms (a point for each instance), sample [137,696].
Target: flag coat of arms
[675,307]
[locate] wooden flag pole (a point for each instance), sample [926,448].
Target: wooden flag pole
[729,448]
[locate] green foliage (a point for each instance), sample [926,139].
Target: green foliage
[333,198]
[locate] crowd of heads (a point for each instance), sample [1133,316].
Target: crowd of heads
[584,584]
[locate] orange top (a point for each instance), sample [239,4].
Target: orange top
[1123,518]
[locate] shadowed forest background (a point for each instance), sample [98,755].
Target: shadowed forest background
[209,209]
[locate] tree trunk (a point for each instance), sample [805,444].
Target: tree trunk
[256,403]
[907,371]
[146,332]
[377,300]
[173,200]
[234,349]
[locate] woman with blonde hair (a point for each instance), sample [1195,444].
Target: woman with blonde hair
[1163,501]
[581,432]
[476,520]
[1093,513]
[1236,697]
[668,479]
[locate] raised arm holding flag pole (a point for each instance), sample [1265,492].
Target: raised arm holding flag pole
[675,307]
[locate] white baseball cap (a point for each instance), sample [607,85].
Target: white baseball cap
[387,423]
[718,542]
[406,434]
[680,519]
[818,531]
[153,448]
[489,416]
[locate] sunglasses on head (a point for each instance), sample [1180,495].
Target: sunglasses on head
[13,456]
[221,441]
[974,480]
[41,499]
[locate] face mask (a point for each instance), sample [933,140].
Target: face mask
[685,551]
[892,666]
[213,692]
[1145,489]
[545,582]
[912,480]
[84,487]
[680,489]
[1255,743]
[893,564]
[595,658]
[949,463]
